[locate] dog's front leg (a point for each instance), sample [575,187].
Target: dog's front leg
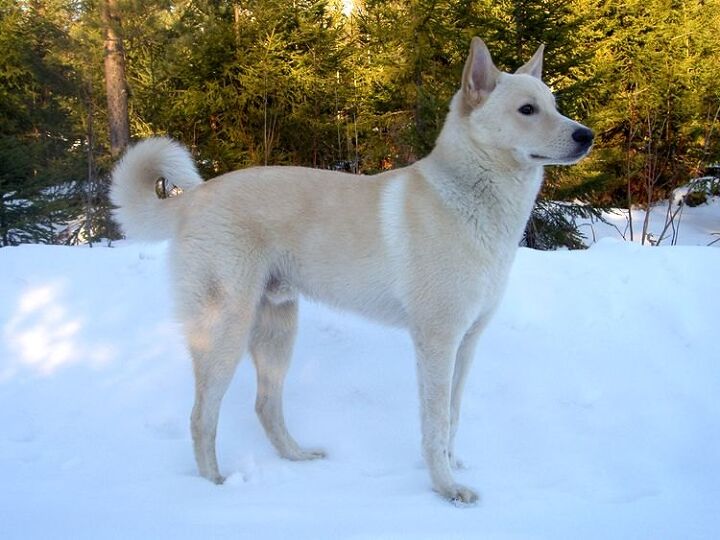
[436,353]
[463,362]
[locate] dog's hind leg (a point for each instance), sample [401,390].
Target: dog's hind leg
[218,332]
[271,349]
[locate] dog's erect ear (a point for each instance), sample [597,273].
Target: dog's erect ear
[534,65]
[480,74]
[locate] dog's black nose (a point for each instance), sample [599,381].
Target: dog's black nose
[583,136]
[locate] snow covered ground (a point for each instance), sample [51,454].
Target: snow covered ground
[693,226]
[592,411]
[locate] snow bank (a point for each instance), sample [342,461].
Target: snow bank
[693,226]
[593,409]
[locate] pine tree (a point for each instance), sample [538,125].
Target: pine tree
[408,58]
[39,154]
[275,82]
[658,112]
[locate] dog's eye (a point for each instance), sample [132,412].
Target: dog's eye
[527,110]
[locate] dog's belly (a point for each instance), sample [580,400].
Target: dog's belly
[369,299]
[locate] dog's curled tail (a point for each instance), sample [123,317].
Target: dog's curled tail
[140,212]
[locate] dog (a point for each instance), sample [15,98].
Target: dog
[427,247]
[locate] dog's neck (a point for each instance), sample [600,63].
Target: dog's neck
[482,186]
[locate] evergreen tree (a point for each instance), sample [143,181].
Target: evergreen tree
[40,156]
[274,82]
[657,113]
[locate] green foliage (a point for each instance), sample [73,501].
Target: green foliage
[554,224]
[701,189]
[258,82]
[39,157]
[251,84]
[658,110]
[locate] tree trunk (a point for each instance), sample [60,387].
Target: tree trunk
[115,84]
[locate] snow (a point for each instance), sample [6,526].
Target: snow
[695,226]
[592,411]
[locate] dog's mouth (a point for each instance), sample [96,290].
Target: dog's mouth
[561,160]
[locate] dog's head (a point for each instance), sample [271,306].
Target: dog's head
[515,114]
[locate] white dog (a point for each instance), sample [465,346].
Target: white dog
[427,247]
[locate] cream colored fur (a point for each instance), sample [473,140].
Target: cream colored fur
[427,247]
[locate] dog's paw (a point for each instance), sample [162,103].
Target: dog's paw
[218,479]
[461,495]
[313,454]
[306,455]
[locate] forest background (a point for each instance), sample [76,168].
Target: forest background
[357,86]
